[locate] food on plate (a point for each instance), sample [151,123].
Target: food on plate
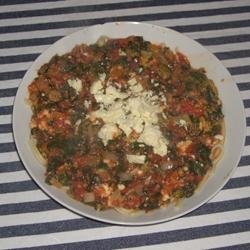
[126,124]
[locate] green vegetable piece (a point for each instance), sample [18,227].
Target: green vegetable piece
[54,163]
[197,168]
[102,165]
[63,179]
[164,71]
[204,152]
[189,189]
[68,66]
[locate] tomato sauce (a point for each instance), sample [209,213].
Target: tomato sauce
[100,174]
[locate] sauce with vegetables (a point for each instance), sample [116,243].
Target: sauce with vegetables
[125,124]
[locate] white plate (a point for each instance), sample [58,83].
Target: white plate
[199,57]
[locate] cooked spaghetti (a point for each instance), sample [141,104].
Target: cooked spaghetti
[126,124]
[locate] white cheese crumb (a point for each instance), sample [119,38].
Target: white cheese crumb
[75,84]
[121,186]
[152,136]
[182,123]
[78,122]
[102,77]
[137,113]
[122,53]
[139,159]
[164,116]
[107,190]
[140,70]
[112,94]
[136,88]
[86,104]
[96,88]
[132,81]
[108,132]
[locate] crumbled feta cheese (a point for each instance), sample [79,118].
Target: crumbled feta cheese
[132,81]
[164,116]
[163,99]
[78,122]
[96,88]
[110,95]
[108,132]
[137,113]
[182,123]
[140,70]
[75,84]
[139,159]
[122,53]
[102,77]
[152,136]
[86,104]
[136,88]
[121,186]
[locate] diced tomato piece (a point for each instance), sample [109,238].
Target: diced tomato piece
[190,177]
[102,191]
[190,149]
[180,89]
[115,202]
[86,58]
[172,105]
[152,188]
[99,192]
[181,58]
[84,160]
[115,55]
[55,75]
[61,169]
[172,181]
[122,42]
[65,104]
[132,201]
[78,190]
[190,108]
[104,175]
[83,54]
[154,158]
[54,152]
[61,121]
[177,131]
[117,74]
